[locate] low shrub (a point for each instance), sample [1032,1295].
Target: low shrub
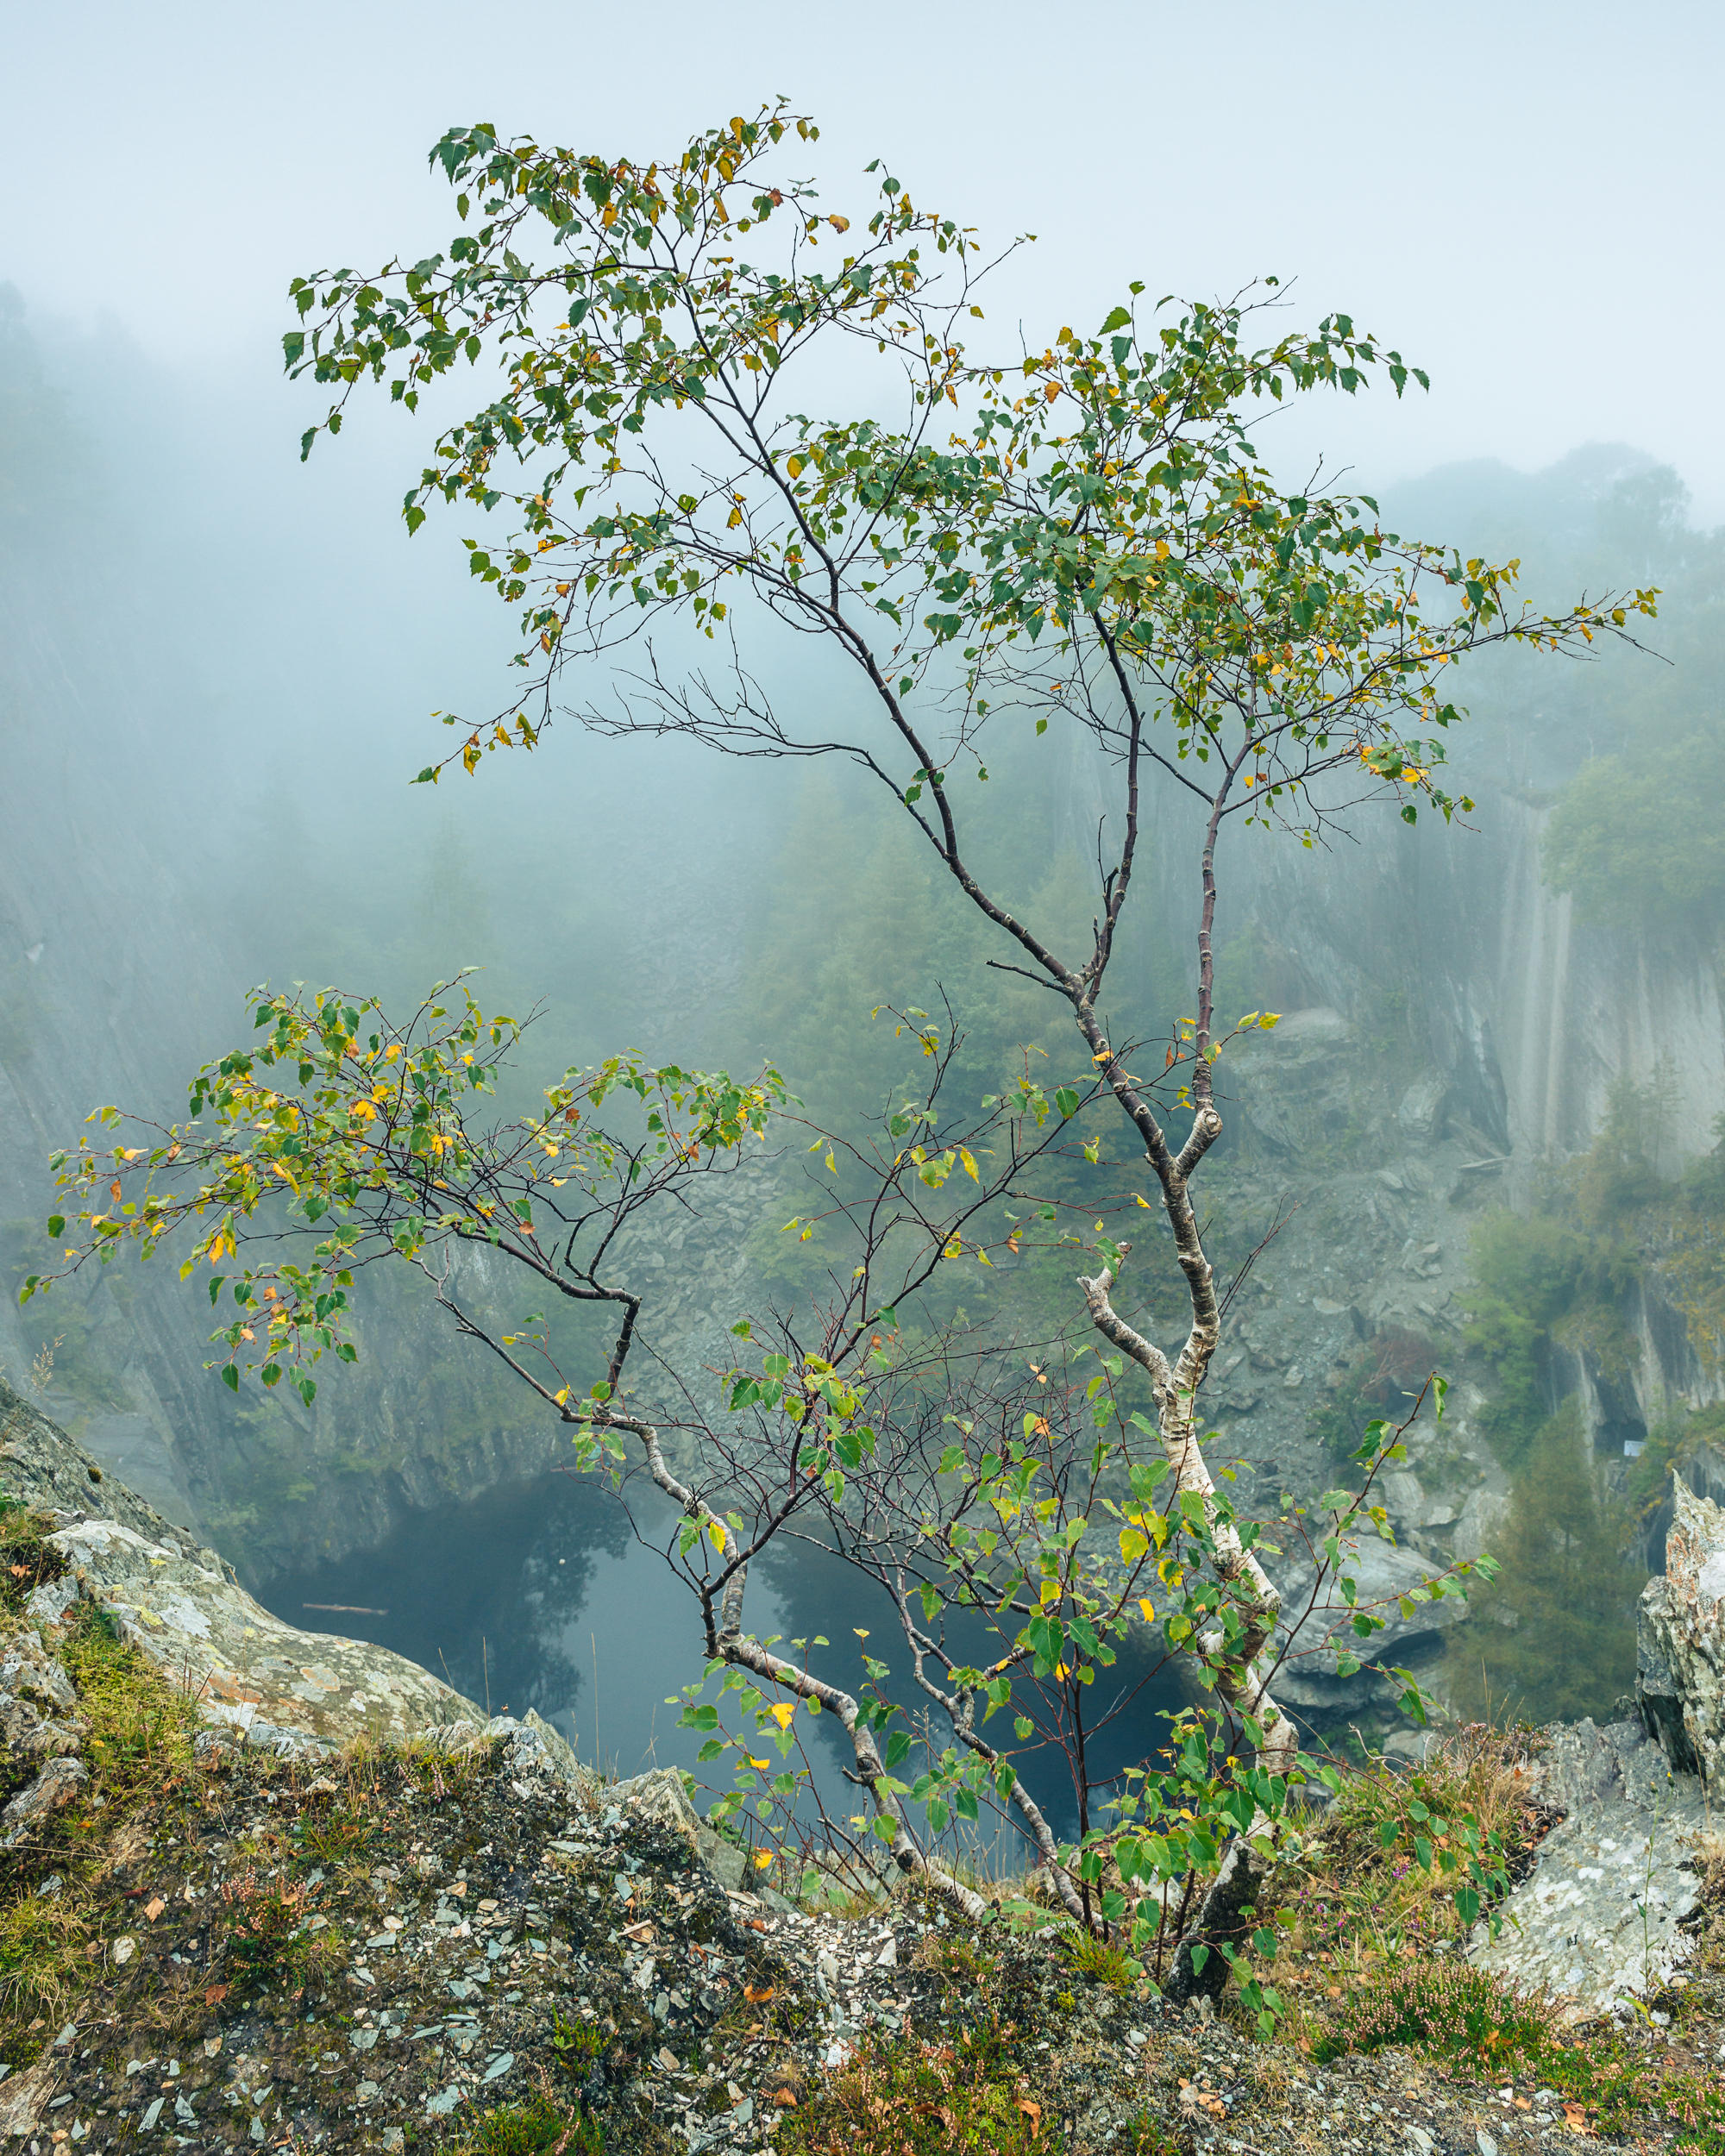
[263,1919]
[1440,2005]
[907,2098]
[26,1561]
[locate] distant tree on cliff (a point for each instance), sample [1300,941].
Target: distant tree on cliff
[1001,553]
[1554,1637]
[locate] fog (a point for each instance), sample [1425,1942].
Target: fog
[221,665]
[1521,199]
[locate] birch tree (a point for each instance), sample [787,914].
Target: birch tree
[1072,546]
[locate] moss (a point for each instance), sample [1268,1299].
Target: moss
[1148,2135]
[538,2128]
[1099,1962]
[140,1725]
[137,1745]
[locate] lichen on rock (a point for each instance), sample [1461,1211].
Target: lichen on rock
[1680,1643]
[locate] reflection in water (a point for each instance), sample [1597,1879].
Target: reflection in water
[540,1594]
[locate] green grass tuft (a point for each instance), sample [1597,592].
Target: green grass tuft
[535,2128]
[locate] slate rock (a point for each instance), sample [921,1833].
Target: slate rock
[1603,1914]
[58,1781]
[1680,1643]
[1317,1624]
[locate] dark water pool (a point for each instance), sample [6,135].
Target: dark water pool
[540,1594]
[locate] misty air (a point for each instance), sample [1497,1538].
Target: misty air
[861,1085]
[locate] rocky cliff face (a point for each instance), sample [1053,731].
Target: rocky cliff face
[1680,1649]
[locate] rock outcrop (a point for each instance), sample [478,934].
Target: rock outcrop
[255,1679]
[1680,1644]
[1605,1914]
[1608,1909]
[1321,1622]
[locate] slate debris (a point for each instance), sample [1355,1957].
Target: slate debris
[487,1944]
[487,1930]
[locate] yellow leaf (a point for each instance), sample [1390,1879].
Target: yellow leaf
[968,1164]
[784,1713]
[717,1534]
[1148,1607]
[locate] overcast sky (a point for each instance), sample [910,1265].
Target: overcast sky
[1525,196]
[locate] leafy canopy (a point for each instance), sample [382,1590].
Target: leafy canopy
[344,1133]
[1094,505]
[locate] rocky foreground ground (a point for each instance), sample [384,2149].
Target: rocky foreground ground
[261,1912]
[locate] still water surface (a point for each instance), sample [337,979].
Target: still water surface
[540,1594]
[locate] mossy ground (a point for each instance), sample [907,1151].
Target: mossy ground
[63,1890]
[1011,2042]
